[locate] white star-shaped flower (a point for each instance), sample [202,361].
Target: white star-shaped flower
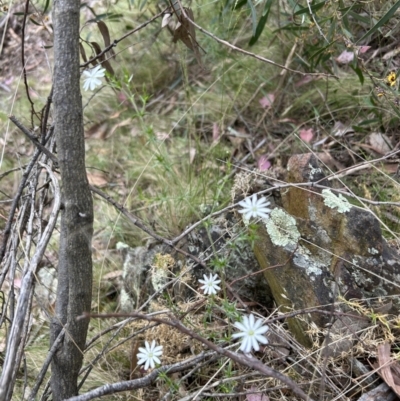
[253,207]
[149,355]
[210,284]
[251,332]
[92,77]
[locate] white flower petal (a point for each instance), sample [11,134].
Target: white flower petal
[251,330]
[142,359]
[257,324]
[238,335]
[149,355]
[261,339]
[156,359]
[92,77]
[254,343]
[158,349]
[240,326]
[210,284]
[246,345]
[251,321]
[262,329]
[253,207]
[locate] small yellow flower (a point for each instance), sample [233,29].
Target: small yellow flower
[391,78]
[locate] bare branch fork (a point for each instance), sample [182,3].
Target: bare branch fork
[142,382]
[238,358]
[15,343]
[116,41]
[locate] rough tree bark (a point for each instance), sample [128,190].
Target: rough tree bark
[75,259]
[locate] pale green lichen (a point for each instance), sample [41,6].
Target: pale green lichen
[336,202]
[373,251]
[282,229]
[314,171]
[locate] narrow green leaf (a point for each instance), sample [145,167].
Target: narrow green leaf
[35,22]
[239,4]
[359,73]
[314,8]
[332,30]
[322,50]
[381,22]
[46,6]
[253,16]
[359,17]
[261,22]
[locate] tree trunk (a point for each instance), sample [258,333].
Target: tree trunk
[75,259]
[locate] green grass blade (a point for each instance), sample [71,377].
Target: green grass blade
[381,22]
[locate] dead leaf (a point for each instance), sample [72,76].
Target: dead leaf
[256,396]
[106,35]
[185,32]
[266,101]
[263,163]
[105,63]
[216,132]
[331,163]
[364,49]
[304,81]
[388,369]
[97,179]
[134,372]
[306,135]
[345,57]
[166,19]
[380,143]
[83,53]
[192,154]
[340,129]
[98,130]
[113,275]
[162,136]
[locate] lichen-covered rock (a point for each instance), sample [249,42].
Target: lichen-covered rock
[332,249]
[218,244]
[142,275]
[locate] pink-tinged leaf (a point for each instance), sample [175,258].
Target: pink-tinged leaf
[17,283]
[192,154]
[256,396]
[162,136]
[263,163]
[307,135]
[216,132]
[266,101]
[364,49]
[304,81]
[122,97]
[345,57]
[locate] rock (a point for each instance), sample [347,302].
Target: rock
[321,248]
[218,243]
[380,393]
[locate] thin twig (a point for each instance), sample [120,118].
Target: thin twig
[15,335]
[23,58]
[116,41]
[46,365]
[244,360]
[34,140]
[256,56]
[142,382]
